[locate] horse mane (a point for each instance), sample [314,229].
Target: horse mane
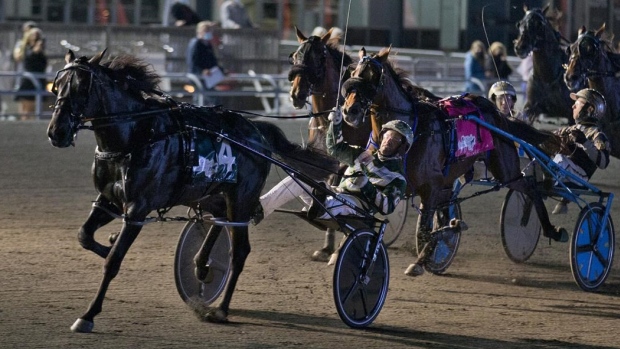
[410,89]
[137,73]
[333,47]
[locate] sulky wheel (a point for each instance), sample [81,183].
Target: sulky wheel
[519,226]
[397,222]
[360,285]
[190,241]
[592,248]
[447,243]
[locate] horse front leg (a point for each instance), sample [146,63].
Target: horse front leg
[97,218]
[127,236]
[240,251]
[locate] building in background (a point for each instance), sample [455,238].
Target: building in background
[448,25]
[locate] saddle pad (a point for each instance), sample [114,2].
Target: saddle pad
[456,106]
[214,161]
[471,138]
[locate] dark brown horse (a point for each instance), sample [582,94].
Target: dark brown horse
[375,87]
[151,156]
[546,92]
[317,67]
[594,64]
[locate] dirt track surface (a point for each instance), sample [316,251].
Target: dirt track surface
[283,299]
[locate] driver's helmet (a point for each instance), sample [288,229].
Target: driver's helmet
[401,127]
[594,98]
[502,88]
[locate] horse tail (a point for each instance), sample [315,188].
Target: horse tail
[313,162]
[546,141]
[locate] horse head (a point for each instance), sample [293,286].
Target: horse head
[591,56]
[535,31]
[363,87]
[74,87]
[308,66]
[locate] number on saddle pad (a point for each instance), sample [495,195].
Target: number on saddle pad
[471,138]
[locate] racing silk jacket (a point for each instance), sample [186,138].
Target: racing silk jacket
[591,154]
[386,183]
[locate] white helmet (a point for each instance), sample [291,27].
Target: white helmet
[502,88]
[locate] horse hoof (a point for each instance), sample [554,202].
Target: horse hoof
[414,270]
[217,316]
[82,326]
[113,236]
[204,276]
[333,258]
[321,255]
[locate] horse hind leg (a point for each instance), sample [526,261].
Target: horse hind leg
[203,270]
[240,251]
[528,187]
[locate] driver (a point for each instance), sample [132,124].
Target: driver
[504,95]
[373,178]
[589,147]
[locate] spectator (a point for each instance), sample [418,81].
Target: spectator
[202,56]
[184,15]
[587,145]
[318,31]
[234,16]
[474,67]
[31,52]
[496,65]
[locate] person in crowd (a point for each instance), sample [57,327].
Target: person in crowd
[587,145]
[184,15]
[496,66]
[233,15]
[31,53]
[474,67]
[374,180]
[202,59]
[318,31]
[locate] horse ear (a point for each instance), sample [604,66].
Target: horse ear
[581,30]
[384,53]
[325,38]
[544,11]
[97,58]
[69,57]
[600,31]
[525,9]
[300,36]
[362,53]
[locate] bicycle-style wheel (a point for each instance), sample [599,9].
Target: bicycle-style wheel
[444,252]
[220,259]
[592,248]
[397,222]
[519,226]
[360,285]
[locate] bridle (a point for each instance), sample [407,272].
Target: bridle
[315,71]
[524,27]
[592,54]
[77,118]
[366,90]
